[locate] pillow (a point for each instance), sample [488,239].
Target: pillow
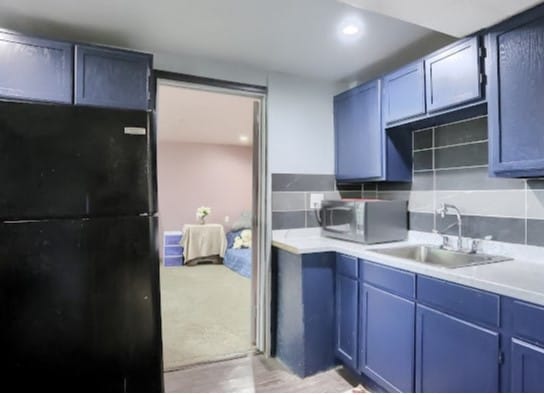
[244,240]
[231,236]
[244,222]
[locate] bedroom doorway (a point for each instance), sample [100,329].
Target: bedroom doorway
[212,189]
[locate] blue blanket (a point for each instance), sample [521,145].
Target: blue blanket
[238,260]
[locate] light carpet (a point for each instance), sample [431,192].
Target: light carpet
[205,314]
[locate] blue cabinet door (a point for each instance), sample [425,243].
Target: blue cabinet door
[35,69]
[387,339]
[359,139]
[112,78]
[346,319]
[453,355]
[454,75]
[516,91]
[527,367]
[404,93]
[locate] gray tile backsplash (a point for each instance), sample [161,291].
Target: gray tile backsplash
[535,232]
[423,139]
[460,156]
[303,182]
[423,222]
[450,166]
[461,132]
[476,178]
[291,197]
[423,181]
[423,160]
[288,219]
[288,201]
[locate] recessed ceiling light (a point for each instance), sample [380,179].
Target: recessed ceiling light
[244,139]
[350,30]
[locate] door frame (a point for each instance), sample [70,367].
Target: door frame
[261,227]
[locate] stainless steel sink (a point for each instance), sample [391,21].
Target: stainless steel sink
[440,257]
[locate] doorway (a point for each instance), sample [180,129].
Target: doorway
[211,152]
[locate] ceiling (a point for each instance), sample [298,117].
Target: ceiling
[456,18]
[197,116]
[299,37]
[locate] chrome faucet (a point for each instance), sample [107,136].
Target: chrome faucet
[443,210]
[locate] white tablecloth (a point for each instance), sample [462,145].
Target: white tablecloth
[200,241]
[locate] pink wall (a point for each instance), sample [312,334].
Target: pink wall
[192,175]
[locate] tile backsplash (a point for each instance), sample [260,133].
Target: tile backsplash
[291,198]
[450,166]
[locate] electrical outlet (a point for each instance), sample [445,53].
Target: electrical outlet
[315,200]
[227,219]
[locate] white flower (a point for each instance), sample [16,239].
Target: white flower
[203,212]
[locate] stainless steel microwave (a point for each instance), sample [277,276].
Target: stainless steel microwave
[364,221]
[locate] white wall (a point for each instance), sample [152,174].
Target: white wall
[300,115]
[300,125]
[210,68]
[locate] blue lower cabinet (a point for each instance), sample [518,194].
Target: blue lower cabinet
[387,339]
[303,311]
[453,355]
[347,290]
[527,367]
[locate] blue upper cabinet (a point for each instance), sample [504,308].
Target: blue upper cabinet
[358,133]
[112,78]
[35,69]
[404,93]
[454,76]
[516,92]
[363,149]
[453,355]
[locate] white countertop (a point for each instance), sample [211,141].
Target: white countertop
[521,278]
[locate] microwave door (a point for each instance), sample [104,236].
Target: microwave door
[338,219]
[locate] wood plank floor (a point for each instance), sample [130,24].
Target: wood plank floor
[254,374]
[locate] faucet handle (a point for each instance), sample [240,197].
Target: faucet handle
[475,243]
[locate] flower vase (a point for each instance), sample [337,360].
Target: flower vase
[202,221]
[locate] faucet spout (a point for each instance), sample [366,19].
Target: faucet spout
[443,210]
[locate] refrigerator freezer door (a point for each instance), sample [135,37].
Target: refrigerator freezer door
[69,162]
[80,306]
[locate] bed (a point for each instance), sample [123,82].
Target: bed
[237,259]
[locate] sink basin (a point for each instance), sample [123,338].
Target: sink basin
[439,257]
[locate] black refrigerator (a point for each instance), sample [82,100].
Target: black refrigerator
[79,269]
